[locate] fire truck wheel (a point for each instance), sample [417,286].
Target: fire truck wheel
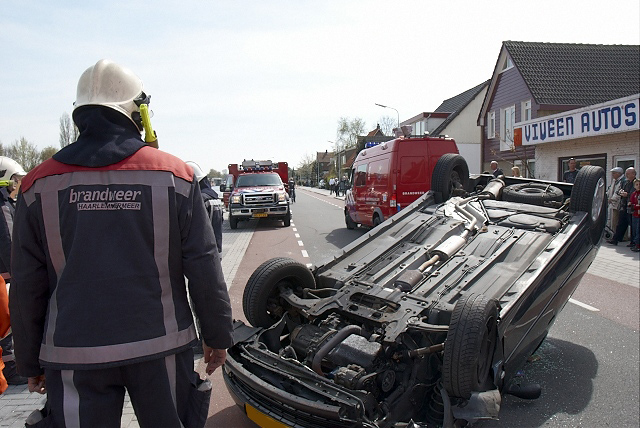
[233,222]
[348,221]
[450,173]
[261,301]
[287,220]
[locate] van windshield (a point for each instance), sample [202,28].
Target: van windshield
[251,180]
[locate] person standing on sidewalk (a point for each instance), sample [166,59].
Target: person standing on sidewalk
[617,175]
[11,173]
[634,204]
[105,233]
[624,219]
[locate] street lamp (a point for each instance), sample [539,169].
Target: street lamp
[380,105]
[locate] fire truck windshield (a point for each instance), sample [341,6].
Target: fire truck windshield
[251,180]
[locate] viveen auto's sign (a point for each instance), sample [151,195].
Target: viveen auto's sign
[613,116]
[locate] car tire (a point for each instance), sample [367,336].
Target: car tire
[532,193]
[469,347]
[287,220]
[588,194]
[233,222]
[261,302]
[451,172]
[348,221]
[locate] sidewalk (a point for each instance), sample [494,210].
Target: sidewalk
[17,402]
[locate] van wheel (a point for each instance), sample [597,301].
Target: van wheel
[471,341]
[532,193]
[376,220]
[451,173]
[588,194]
[233,222]
[347,219]
[261,301]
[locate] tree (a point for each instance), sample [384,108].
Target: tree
[47,153]
[215,174]
[347,133]
[24,152]
[387,124]
[68,131]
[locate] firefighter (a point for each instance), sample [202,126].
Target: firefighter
[10,175]
[105,233]
[211,201]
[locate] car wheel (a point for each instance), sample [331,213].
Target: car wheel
[348,221]
[450,173]
[588,194]
[261,300]
[532,193]
[233,222]
[376,220]
[287,220]
[469,347]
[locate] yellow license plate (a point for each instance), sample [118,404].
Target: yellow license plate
[261,419]
[259,214]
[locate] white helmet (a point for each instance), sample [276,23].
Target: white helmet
[196,170]
[9,168]
[111,85]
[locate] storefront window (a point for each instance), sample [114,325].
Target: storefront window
[596,160]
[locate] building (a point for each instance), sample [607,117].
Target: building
[323,161]
[461,124]
[425,122]
[544,80]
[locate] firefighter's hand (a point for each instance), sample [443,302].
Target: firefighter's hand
[213,357]
[37,384]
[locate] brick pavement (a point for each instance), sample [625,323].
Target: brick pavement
[17,402]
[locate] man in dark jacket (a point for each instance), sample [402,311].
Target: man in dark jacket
[212,203]
[11,173]
[105,233]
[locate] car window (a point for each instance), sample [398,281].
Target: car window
[250,180]
[361,175]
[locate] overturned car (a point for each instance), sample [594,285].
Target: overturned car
[425,319]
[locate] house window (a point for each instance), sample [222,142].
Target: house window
[491,124]
[507,119]
[531,170]
[507,63]
[525,113]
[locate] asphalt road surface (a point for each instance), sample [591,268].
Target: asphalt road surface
[588,367]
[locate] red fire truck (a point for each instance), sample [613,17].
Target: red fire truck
[257,189]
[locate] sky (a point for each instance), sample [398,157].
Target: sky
[266,79]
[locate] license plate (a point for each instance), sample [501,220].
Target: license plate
[259,214]
[261,419]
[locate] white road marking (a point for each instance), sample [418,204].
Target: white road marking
[295,230]
[292,224]
[309,265]
[584,305]
[305,254]
[300,243]
[297,235]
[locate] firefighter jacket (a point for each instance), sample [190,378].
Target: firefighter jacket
[6,227]
[213,206]
[105,233]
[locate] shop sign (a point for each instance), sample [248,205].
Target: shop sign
[619,115]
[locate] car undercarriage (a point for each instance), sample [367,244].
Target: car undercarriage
[425,319]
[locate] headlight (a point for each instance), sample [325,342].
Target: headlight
[281,197]
[235,199]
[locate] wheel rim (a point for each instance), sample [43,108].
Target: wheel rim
[598,200]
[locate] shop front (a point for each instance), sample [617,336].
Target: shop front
[605,135]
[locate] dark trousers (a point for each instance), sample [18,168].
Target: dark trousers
[624,220]
[163,393]
[7,356]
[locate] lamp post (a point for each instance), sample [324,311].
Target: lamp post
[380,105]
